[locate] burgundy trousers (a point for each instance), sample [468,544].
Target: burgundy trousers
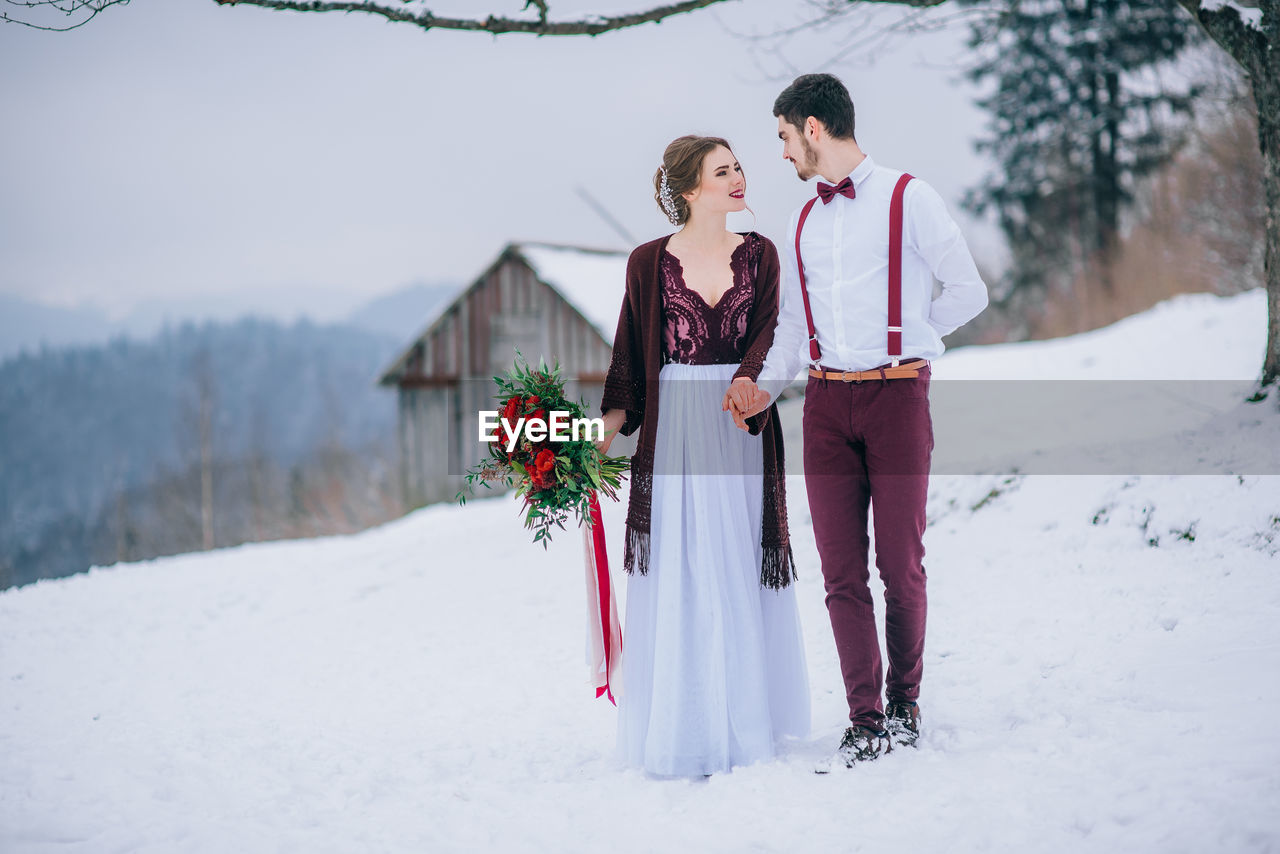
[868,445]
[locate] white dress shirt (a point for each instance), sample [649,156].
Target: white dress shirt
[846,264]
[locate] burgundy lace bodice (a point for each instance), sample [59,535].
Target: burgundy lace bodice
[695,333]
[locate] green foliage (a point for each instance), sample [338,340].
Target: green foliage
[555,478]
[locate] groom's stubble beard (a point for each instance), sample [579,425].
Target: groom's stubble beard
[809,167]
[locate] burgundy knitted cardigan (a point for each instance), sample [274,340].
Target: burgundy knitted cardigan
[632,386]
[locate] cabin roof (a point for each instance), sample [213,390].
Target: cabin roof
[590,280]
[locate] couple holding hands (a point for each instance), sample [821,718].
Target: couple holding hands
[714,671]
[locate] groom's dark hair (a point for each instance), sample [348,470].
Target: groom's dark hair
[822,96]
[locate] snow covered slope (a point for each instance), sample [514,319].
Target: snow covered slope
[1187,337]
[1102,673]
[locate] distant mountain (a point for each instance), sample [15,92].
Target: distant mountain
[403,314]
[27,326]
[83,426]
[30,326]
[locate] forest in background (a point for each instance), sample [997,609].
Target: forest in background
[205,436]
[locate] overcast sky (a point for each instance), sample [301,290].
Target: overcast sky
[181,151]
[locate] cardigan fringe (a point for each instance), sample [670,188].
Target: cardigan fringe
[635,555]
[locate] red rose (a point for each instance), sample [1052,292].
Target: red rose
[542,473]
[510,413]
[512,408]
[539,417]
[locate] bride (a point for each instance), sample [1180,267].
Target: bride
[713,671]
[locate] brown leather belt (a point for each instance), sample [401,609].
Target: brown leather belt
[906,370]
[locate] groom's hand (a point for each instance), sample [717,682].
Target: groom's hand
[744,399]
[738,398]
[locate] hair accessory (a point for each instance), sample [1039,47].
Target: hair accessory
[668,203]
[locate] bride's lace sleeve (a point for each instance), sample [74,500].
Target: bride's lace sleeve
[764,317]
[625,383]
[764,313]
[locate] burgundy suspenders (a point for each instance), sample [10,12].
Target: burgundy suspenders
[895,275]
[815,353]
[895,269]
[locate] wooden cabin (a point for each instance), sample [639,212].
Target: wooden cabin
[550,302]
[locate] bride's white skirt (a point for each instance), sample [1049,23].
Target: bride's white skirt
[713,664]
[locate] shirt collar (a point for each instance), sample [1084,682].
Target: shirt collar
[859,174]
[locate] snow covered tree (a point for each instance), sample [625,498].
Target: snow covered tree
[1080,112]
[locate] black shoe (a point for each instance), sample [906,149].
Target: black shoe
[863,744]
[902,720]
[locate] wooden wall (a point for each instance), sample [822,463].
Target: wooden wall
[449,377]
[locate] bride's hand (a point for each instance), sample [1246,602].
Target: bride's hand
[737,397]
[744,399]
[613,421]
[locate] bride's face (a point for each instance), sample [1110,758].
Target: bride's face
[723,188]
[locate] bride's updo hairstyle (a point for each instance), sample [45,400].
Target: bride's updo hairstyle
[683,164]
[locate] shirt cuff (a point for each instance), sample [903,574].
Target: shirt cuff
[775,386]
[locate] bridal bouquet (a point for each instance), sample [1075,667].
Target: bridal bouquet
[542,443]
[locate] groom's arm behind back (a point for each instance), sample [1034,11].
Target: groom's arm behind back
[936,237]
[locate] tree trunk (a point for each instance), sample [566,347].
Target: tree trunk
[1257,49]
[1264,75]
[206,472]
[1111,190]
[1267,94]
[1109,177]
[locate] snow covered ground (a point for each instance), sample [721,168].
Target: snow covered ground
[1102,674]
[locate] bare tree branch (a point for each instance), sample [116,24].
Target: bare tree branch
[406,11]
[1242,42]
[590,26]
[68,8]
[862,29]
[543,11]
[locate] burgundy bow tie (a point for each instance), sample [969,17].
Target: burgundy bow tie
[827,192]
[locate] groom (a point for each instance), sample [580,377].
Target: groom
[858,307]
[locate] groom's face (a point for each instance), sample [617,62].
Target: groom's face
[796,148]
